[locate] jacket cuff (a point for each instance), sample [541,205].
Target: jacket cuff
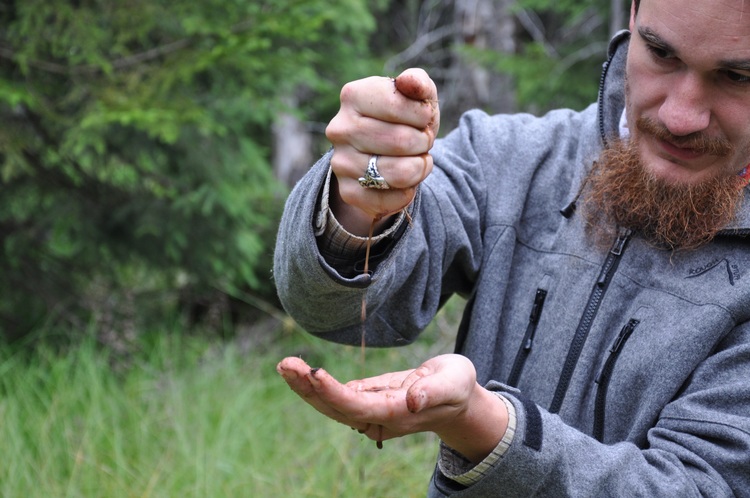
[342,250]
[456,467]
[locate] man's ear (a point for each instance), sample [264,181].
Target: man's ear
[632,16]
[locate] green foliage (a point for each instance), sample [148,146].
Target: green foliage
[135,147]
[568,9]
[544,82]
[559,62]
[136,137]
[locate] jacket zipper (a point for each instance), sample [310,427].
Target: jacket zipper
[606,374]
[528,338]
[741,232]
[600,99]
[584,326]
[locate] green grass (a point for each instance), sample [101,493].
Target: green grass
[189,418]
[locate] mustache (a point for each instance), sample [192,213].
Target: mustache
[699,142]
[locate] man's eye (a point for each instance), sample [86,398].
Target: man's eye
[736,77]
[659,52]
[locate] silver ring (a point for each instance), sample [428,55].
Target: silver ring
[372,178]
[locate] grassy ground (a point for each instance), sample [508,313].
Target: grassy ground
[190,419]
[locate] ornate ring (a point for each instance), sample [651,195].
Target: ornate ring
[372,178]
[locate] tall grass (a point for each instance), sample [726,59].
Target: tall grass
[190,419]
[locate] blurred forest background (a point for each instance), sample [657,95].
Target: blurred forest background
[147,147]
[146,150]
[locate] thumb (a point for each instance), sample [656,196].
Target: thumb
[416,399]
[443,380]
[416,84]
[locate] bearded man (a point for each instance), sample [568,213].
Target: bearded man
[604,255]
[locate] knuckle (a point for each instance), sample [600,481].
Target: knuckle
[349,193]
[406,142]
[401,174]
[406,174]
[348,92]
[401,198]
[340,165]
[335,131]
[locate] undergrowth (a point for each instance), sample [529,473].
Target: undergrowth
[191,418]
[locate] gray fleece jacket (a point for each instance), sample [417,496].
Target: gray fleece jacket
[629,369]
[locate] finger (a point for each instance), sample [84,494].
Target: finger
[297,375]
[399,172]
[375,203]
[292,364]
[378,97]
[305,382]
[378,204]
[430,388]
[294,370]
[416,84]
[391,380]
[371,135]
[377,406]
[324,393]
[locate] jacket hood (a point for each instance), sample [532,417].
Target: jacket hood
[611,98]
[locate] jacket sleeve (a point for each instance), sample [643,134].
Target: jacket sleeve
[698,447]
[437,254]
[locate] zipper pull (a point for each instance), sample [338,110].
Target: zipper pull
[624,333]
[536,311]
[623,235]
[619,341]
[622,238]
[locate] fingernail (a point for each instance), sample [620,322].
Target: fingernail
[288,375]
[314,380]
[416,403]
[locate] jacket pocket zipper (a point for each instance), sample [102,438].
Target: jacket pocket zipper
[528,338]
[606,374]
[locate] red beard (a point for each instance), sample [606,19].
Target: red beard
[619,191]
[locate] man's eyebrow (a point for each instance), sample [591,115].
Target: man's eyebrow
[651,37]
[654,39]
[736,65]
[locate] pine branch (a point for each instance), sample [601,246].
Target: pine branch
[118,64]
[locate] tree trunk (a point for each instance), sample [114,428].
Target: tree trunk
[618,19]
[292,146]
[484,25]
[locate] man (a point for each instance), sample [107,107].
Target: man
[605,254]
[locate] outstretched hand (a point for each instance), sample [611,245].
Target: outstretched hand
[440,396]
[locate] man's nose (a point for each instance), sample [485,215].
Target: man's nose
[687,108]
